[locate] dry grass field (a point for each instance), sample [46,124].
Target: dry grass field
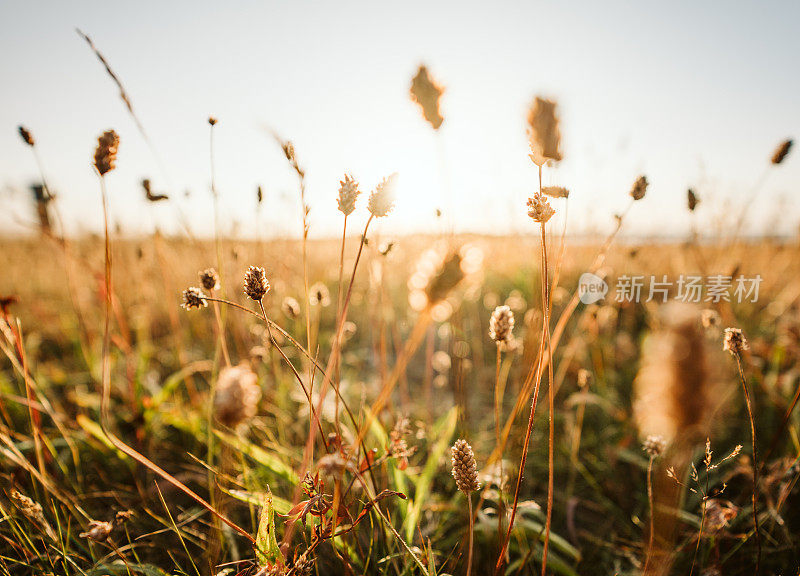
[426,405]
[166,443]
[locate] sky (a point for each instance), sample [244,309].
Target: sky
[691,94]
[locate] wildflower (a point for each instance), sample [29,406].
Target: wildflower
[735,342]
[709,318]
[719,514]
[212,120]
[446,278]
[290,307]
[465,470]
[539,209]
[348,194]
[209,279]
[319,295]
[236,396]
[654,445]
[426,93]
[381,201]
[193,298]
[781,152]
[584,378]
[26,136]
[98,531]
[543,131]
[256,284]
[105,156]
[639,188]
[501,325]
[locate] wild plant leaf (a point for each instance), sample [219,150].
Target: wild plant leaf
[267,551]
[442,432]
[268,459]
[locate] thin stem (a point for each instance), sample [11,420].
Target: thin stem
[312,412]
[471,530]
[550,391]
[497,392]
[221,334]
[652,512]
[106,390]
[755,464]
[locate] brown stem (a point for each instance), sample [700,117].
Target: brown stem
[106,390]
[652,513]
[755,464]
[471,530]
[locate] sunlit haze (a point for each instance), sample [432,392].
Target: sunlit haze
[691,94]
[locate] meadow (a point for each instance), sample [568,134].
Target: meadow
[440,404]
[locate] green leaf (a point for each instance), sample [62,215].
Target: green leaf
[267,459]
[267,551]
[443,432]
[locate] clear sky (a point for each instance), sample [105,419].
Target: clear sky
[689,93]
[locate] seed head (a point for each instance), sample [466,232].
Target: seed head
[105,156]
[381,200]
[236,396]
[288,150]
[348,193]
[290,307]
[98,531]
[319,295]
[584,378]
[426,92]
[209,279]
[781,151]
[501,326]
[539,208]
[255,283]
[709,318]
[555,191]
[465,470]
[639,188]
[654,445]
[692,200]
[543,131]
[32,510]
[735,342]
[447,277]
[26,136]
[193,298]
